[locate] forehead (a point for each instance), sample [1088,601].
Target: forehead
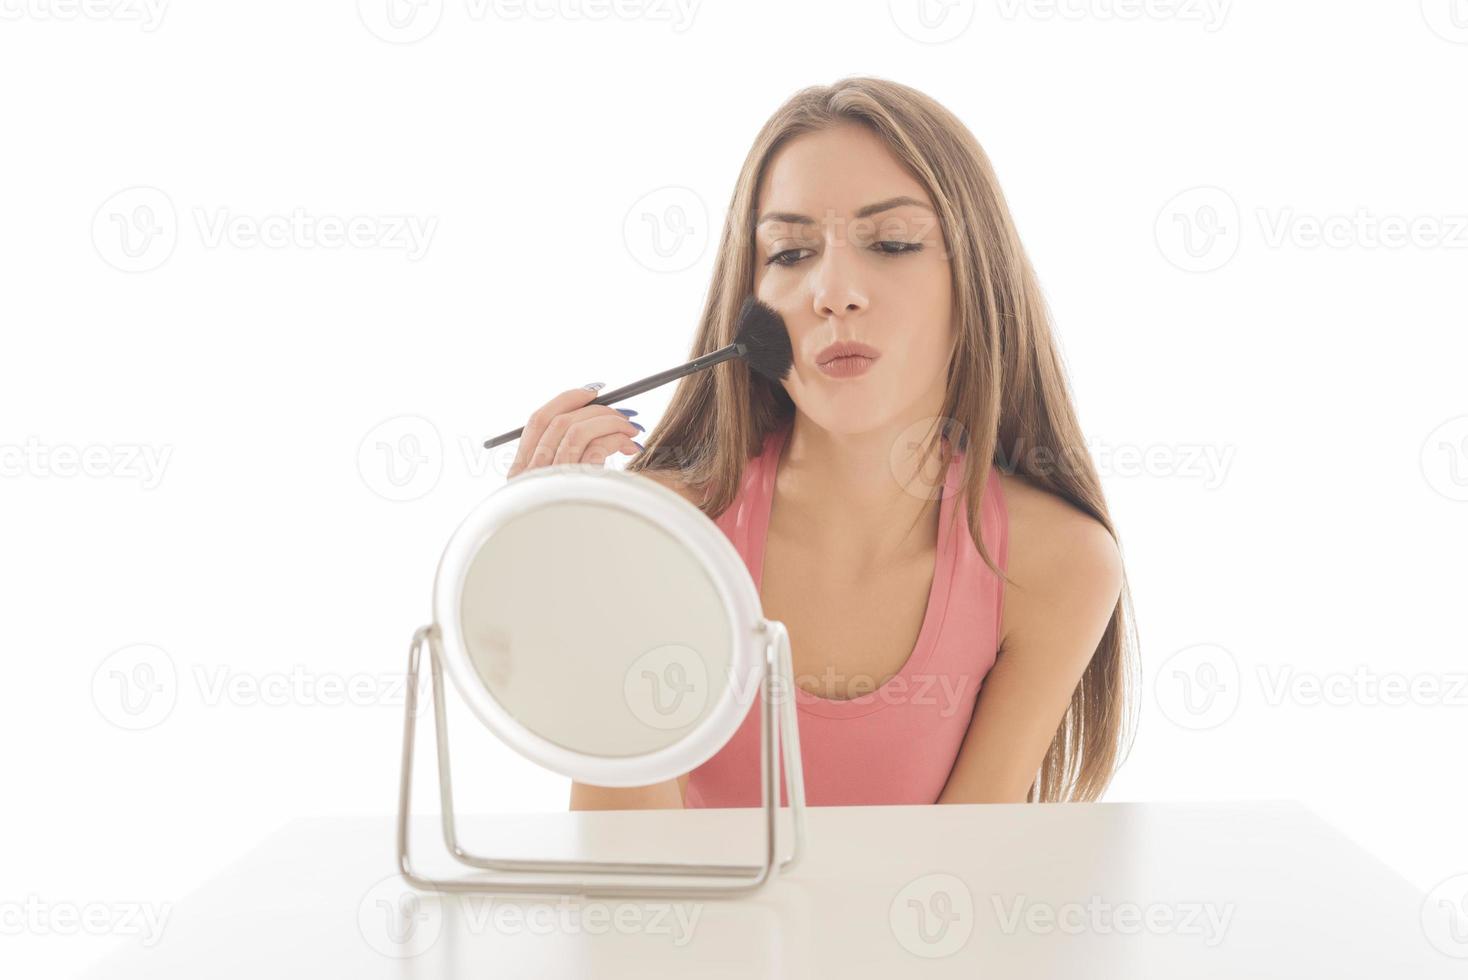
[838,169]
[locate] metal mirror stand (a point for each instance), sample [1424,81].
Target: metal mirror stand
[562,877]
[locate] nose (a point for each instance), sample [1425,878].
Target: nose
[836,288]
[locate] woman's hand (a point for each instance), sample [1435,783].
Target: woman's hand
[567,429]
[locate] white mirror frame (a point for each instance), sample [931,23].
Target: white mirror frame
[645,498]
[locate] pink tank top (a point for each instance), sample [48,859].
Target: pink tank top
[895,744]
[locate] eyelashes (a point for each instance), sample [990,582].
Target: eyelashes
[904,248]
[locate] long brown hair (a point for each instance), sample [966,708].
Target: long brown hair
[1006,384]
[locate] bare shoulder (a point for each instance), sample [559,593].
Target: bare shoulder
[1043,524]
[1059,555]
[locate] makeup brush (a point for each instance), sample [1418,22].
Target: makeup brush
[760,338]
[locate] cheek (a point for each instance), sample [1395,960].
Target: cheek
[778,287]
[930,348]
[927,298]
[922,360]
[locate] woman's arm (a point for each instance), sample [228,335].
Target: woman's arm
[659,796]
[1066,577]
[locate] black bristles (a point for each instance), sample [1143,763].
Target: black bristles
[766,342]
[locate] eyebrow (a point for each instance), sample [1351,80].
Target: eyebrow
[864,212]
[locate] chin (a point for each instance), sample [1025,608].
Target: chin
[844,419]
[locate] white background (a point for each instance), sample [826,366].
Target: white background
[312,411]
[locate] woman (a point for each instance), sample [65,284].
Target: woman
[957,629]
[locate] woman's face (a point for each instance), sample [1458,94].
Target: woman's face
[847,247]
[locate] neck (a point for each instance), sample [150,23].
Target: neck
[866,498]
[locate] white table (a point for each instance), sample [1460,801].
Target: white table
[1044,891]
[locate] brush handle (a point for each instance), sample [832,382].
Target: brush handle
[646,384]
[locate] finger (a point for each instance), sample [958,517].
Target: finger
[602,447]
[549,451]
[585,425]
[541,418]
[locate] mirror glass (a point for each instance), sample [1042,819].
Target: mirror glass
[596,628]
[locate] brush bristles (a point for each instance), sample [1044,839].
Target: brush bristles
[766,341]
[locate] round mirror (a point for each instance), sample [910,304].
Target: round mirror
[600,625]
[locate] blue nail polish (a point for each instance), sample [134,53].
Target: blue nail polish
[639,446]
[638,427]
[629,412]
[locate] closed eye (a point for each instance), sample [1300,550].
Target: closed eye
[901,248]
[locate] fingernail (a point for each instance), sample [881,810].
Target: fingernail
[638,445]
[595,386]
[637,427]
[629,412]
